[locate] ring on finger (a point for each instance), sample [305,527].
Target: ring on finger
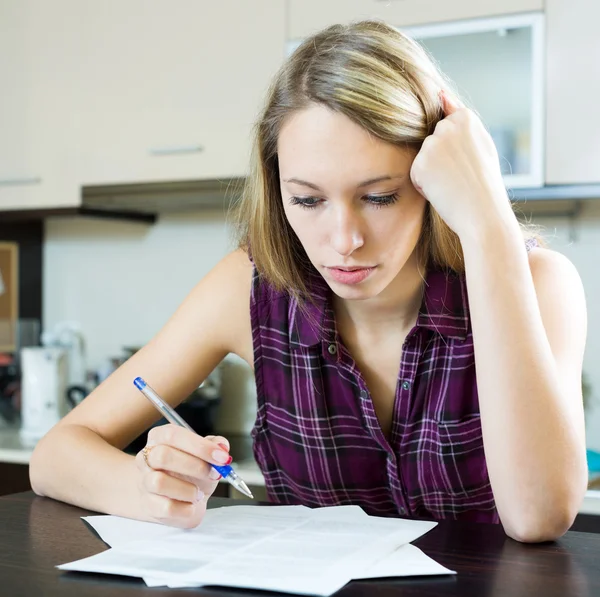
[145,453]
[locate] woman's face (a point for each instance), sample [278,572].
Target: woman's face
[349,198]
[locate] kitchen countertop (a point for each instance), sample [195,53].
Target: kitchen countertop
[12,448]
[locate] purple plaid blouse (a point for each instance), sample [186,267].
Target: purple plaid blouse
[317,438]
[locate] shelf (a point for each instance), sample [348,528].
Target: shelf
[556,192]
[23,215]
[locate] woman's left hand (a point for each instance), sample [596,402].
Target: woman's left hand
[458,171]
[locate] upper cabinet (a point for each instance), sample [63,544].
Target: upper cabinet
[32,164]
[572,91]
[169,91]
[112,92]
[497,65]
[307,16]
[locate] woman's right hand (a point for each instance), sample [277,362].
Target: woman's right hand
[176,478]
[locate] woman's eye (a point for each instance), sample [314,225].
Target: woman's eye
[382,200]
[307,202]
[374,200]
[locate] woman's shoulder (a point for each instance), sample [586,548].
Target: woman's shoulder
[234,272]
[543,260]
[551,268]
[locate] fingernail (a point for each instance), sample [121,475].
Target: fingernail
[224,446]
[214,474]
[200,496]
[221,457]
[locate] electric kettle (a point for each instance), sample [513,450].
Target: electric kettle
[44,378]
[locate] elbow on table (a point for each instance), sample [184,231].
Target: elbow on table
[36,471]
[549,526]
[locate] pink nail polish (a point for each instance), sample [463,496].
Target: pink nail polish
[230,460]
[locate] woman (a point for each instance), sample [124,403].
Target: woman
[374,209]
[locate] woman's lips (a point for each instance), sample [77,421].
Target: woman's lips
[354,275]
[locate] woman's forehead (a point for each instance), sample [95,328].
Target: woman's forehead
[317,140]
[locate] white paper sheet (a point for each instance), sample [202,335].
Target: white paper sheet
[407,560]
[285,548]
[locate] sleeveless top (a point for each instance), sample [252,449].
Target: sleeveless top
[317,439]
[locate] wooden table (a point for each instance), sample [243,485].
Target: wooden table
[36,534]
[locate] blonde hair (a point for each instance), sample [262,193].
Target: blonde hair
[379,78]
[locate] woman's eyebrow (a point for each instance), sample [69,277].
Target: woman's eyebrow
[365,183]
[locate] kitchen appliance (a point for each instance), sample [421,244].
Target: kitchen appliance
[44,379]
[67,335]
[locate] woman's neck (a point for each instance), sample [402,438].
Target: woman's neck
[396,307]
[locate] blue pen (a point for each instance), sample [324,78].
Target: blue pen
[168,413]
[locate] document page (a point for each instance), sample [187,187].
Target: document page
[279,548]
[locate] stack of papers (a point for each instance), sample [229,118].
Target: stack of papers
[291,549]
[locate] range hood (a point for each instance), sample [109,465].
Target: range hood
[163,197]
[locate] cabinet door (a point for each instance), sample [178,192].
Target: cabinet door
[572,91]
[35,172]
[308,16]
[169,91]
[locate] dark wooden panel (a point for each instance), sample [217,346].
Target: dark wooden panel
[14,478]
[587,523]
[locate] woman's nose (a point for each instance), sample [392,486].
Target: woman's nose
[346,235]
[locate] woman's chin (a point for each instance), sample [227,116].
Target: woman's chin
[355,292]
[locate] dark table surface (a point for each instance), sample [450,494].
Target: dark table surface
[36,534]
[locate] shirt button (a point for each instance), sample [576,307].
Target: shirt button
[405,385]
[332,348]
[402,510]
[364,394]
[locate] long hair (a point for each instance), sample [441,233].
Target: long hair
[382,80]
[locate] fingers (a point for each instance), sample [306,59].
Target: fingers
[162,457]
[220,441]
[161,483]
[176,473]
[450,104]
[186,441]
[175,513]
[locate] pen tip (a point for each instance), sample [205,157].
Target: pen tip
[245,490]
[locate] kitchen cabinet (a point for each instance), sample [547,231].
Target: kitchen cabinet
[114,93]
[486,59]
[168,92]
[31,158]
[308,16]
[572,91]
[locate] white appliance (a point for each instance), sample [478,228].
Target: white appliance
[43,390]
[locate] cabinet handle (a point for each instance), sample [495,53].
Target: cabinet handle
[184,149]
[13,182]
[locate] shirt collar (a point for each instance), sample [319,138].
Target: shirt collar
[445,306]
[444,309]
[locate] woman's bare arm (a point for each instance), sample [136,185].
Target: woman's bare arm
[529,332]
[80,460]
